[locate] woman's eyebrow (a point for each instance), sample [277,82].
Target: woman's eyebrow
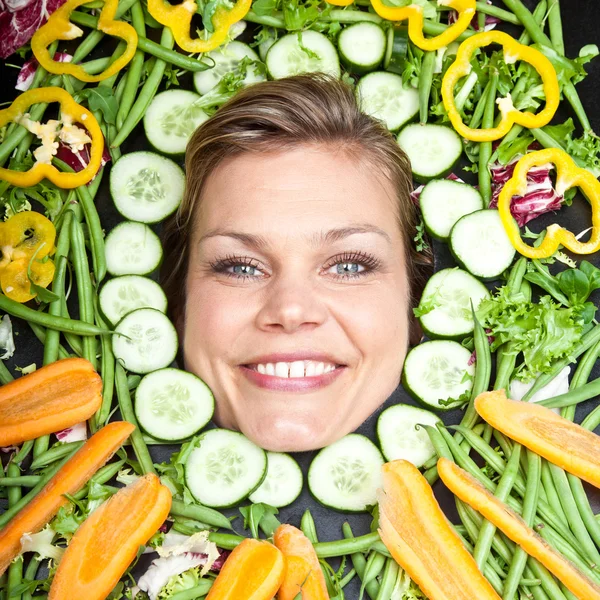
[317,239]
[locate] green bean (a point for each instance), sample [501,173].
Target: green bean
[95,184]
[555,26]
[506,360]
[551,493]
[388,580]
[210,516]
[126,407]
[488,530]
[573,397]
[5,375]
[548,582]
[374,566]
[588,340]
[425,82]
[92,39]
[485,148]
[23,453]
[102,476]
[342,547]
[27,481]
[227,541]
[585,367]
[539,16]
[54,454]
[349,16]
[108,375]
[487,9]
[196,592]
[15,570]
[515,277]
[465,91]
[31,572]
[348,577]
[483,366]
[480,107]
[85,294]
[134,72]
[307,524]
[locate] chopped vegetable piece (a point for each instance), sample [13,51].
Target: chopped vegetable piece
[255,569]
[465,487]
[540,429]
[107,542]
[59,395]
[568,175]
[513,51]
[419,537]
[303,573]
[69,479]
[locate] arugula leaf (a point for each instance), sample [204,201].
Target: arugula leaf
[429,10]
[506,152]
[264,8]
[260,515]
[101,98]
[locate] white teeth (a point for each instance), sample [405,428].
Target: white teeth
[320,369]
[297,369]
[262,369]
[270,369]
[311,369]
[281,369]
[329,368]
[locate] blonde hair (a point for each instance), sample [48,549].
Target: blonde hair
[278,115]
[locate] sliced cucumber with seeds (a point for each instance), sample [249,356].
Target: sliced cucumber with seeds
[171,119]
[400,436]
[303,52]
[122,295]
[481,245]
[173,405]
[227,59]
[432,149]
[345,476]
[147,341]
[224,468]
[443,202]
[283,482]
[146,187]
[445,306]
[383,96]
[132,249]
[362,47]
[438,373]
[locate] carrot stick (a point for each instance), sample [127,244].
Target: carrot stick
[253,571]
[419,537]
[107,542]
[540,429]
[69,479]
[52,398]
[465,487]
[303,573]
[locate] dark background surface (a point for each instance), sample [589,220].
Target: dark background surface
[581,25]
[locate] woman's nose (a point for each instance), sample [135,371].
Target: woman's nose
[291,302]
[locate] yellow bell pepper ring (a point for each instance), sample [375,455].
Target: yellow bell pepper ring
[58,27]
[414,14]
[179,17]
[513,51]
[340,2]
[16,284]
[568,175]
[69,110]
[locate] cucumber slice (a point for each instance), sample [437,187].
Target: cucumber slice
[437,372]
[433,150]
[171,119]
[283,482]
[443,202]
[302,52]
[146,187]
[397,47]
[400,437]
[362,47]
[148,341]
[224,468]
[122,295]
[132,249]
[445,306]
[227,59]
[345,476]
[173,405]
[383,96]
[480,244]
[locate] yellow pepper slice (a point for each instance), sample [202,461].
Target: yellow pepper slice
[179,17]
[513,51]
[340,2]
[414,14]
[568,175]
[69,110]
[24,236]
[58,27]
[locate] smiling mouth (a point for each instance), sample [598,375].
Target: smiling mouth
[298,369]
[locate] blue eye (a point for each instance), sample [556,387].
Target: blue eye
[349,268]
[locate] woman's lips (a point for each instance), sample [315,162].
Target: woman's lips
[291,384]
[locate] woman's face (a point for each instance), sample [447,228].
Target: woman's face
[297,295]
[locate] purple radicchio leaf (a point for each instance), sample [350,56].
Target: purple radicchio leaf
[79,159]
[490,22]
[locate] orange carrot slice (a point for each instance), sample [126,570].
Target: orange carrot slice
[253,571]
[107,542]
[52,398]
[303,573]
[469,490]
[540,429]
[69,479]
[419,537]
